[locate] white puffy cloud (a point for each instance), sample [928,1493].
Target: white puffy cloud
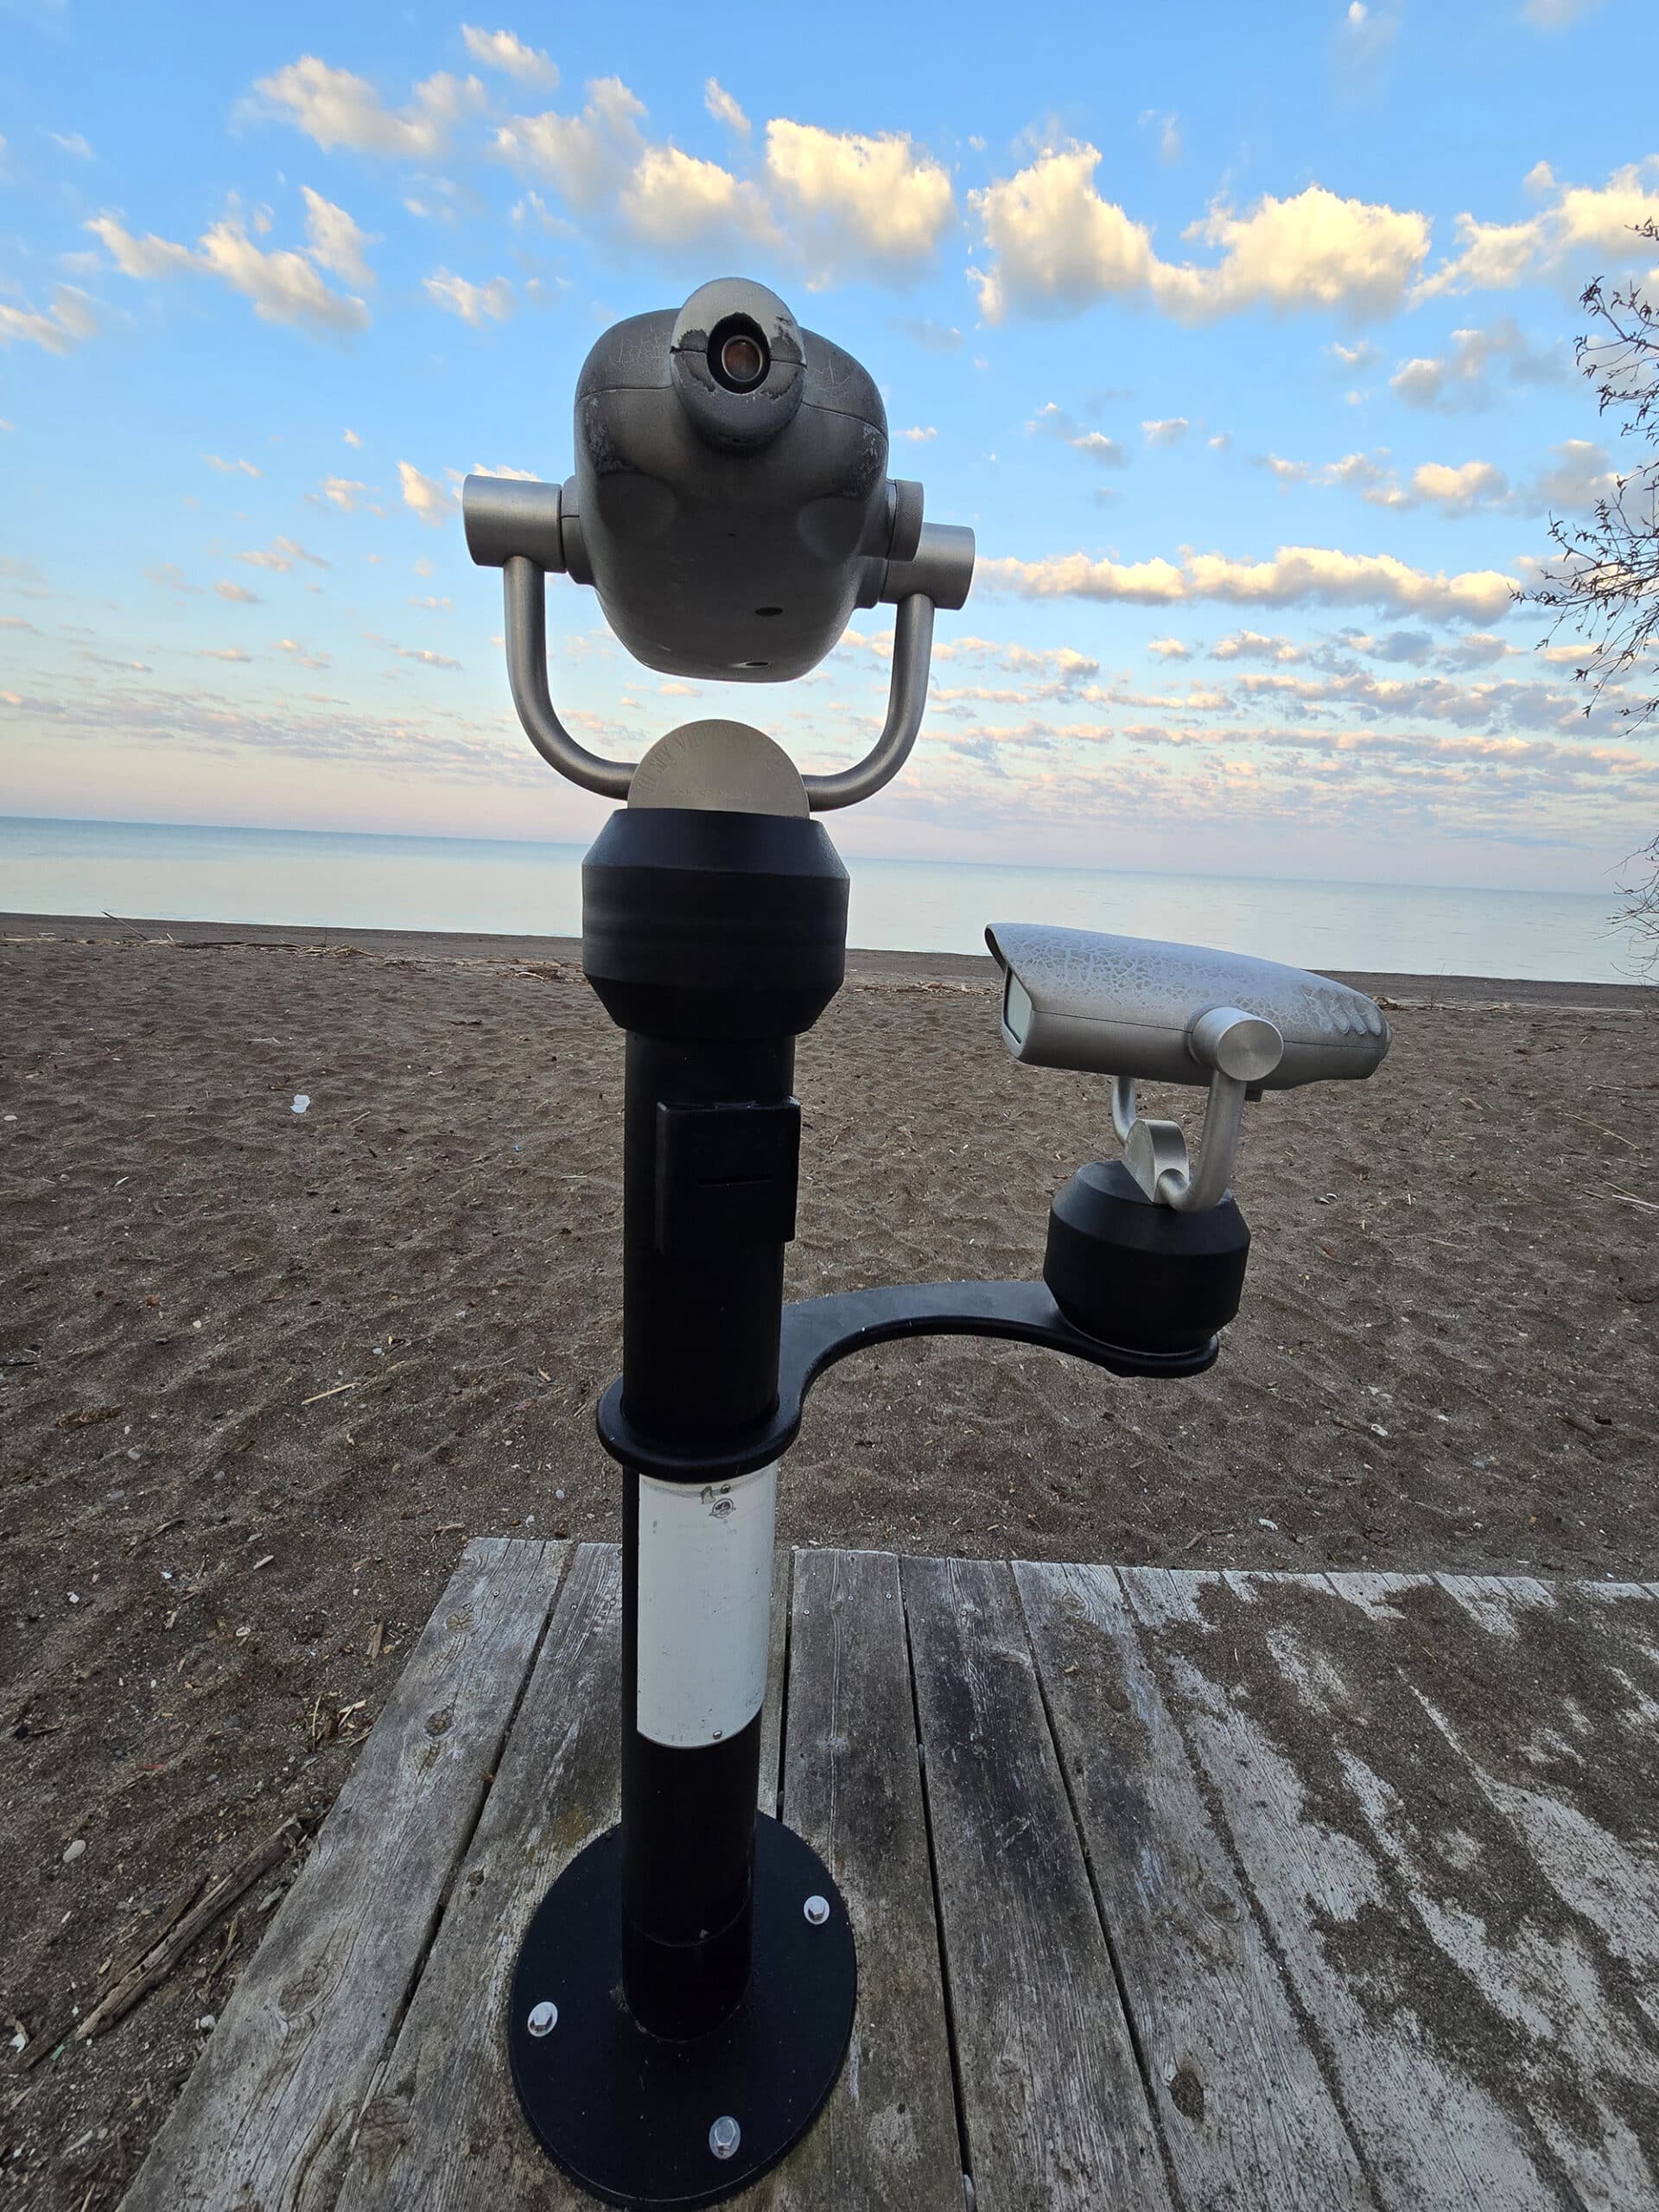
[1295,575]
[1251,645]
[587,156]
[600,161]
[1577,475]
[238,595]
[59,328]
[1168,649]
[1458,488]
[351,437]
[857,198]
[1461,377]
[834,201]
[1055,245]
[674,200]
[72,142]
[503,50]
[920,434]
[147,256]
[284,286]
[724,108]
[1578,230]
[346,493]
[335,108]
[432,501]
[936,337]
[1314,251]
[168,575]
[1051,421]
[472,303]
[1489,705]
[1168,430]
[1367,31]
[1168,127]
[223,468]
[283,553]
[1056,670]
[336,241]
[1479,649]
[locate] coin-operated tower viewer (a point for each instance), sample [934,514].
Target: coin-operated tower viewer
[682,2004]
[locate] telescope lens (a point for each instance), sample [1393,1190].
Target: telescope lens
[741,359]
[737,355]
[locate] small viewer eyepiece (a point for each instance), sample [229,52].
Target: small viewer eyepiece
[737,354]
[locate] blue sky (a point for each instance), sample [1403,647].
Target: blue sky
[1242,336]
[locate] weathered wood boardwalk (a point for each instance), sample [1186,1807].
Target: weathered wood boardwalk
[1172,1891]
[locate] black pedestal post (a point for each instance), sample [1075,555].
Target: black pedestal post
[683,1999]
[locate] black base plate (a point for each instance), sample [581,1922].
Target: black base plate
[627,2114]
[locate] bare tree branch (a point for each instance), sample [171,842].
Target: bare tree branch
[1602,582]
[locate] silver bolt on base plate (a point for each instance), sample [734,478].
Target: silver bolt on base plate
[816,1910]
[725,2136]
[544,2018]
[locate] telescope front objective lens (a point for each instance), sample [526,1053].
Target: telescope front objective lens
[739,358]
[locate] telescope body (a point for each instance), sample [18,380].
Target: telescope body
[729,535]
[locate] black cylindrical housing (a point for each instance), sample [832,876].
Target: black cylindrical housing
[699,925]
[714,939]
[1133,1272]
[688,1848]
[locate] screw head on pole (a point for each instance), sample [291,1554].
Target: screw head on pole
[816,1910]
[544,2018]
[725,2136]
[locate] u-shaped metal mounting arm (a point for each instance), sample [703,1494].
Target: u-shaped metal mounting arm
[939,575]
[524,597]
[913,650]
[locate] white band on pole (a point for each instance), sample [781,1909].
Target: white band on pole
[705,1605]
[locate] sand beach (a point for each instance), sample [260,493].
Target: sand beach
[265,1371]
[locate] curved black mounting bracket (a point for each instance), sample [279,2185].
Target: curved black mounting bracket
[817,1332]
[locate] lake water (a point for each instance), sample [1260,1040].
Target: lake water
[166,872]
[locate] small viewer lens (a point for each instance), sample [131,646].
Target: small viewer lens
[738,356]
[740,359]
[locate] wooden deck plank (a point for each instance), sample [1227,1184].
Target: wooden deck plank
[852,1787]
[771,1714]
[1244,2108]
[1323,1765]
[266,2119]
[1379,1850]
[557,1786]
[1558,1726]
[1054,2109]
[444,2129]
[1522,1821]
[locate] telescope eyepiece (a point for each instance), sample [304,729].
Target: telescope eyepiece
[738,353]
[738,363]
